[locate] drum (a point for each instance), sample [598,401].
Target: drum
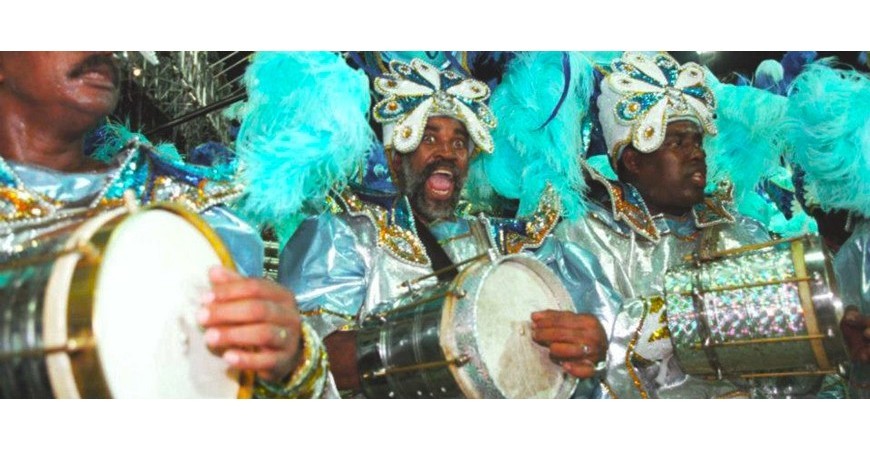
[470,337]
[104,306]
[766,310]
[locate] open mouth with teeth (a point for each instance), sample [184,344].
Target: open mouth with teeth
[440,184]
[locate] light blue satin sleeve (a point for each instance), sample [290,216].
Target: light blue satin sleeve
[241,239]
[590,290]
[327,270]
[584,278]
[852,268]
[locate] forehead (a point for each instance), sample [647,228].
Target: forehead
[444,123]
[682,127]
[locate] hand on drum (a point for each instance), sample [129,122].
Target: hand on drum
[576,341]
[253,323]
[856,333]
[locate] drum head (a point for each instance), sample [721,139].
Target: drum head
[510,291]
[153,273]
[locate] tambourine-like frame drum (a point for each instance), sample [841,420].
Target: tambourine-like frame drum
[58,337]
[765,310]
[468,338]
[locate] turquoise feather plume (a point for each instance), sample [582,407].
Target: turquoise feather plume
[750,142]
[304,130]
[830,131]
[533,145]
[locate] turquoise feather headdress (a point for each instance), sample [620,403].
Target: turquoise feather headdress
[830,133]
[304,130]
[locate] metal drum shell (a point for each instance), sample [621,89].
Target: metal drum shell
[68,351]
[426,344]
[807,308]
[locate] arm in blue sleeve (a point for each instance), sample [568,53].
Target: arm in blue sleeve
[327,270]
[242,240]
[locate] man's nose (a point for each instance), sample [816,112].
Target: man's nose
[446,151]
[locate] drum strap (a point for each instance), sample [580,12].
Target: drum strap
[437,255]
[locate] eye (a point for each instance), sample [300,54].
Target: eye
[428,139]
[460,144]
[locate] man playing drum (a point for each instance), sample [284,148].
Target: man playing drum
[48,102]
[347,264]
[654,114]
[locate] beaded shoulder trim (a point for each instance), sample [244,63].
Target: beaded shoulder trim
[627,205]
[398,241]
[142,171]
[528,233]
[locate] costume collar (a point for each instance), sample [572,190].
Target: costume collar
[628,207]
[140,170]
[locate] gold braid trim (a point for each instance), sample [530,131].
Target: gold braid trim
[630,350]
[309,378]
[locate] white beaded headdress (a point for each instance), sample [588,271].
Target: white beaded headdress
[643,93]
[414,92]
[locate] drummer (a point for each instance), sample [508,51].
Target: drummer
[49,101]
[655,213]
[343,265]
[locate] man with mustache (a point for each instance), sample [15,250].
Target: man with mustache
[347,265]
[654,114]
[48,102]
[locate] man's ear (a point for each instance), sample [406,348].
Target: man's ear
[631,162]
[395,166]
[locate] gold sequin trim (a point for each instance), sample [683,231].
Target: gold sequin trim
[538,226]
[322,311]
[399,242]
[636,218]
[657,304]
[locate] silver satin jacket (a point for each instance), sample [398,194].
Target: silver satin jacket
[345,263]
[635,250]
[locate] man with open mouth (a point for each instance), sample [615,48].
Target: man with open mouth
[347,267]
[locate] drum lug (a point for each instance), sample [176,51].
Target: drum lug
[130,201]
[459,293]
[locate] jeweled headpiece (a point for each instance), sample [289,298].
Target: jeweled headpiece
[415,92]
[644,93]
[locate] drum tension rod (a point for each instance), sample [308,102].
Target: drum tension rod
[458,361]
[410,283]
[73,345]
[698,346]
[459,293]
